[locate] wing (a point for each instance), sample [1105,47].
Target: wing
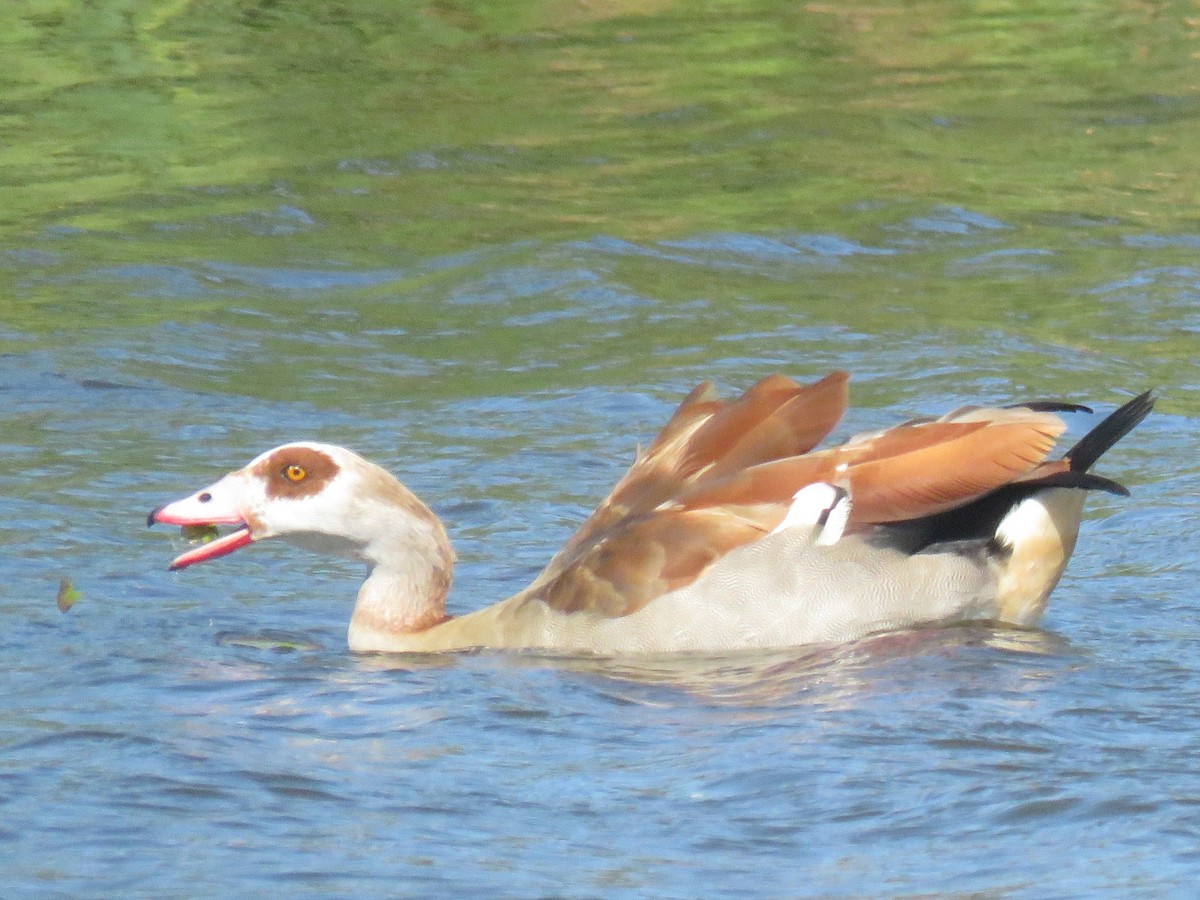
[723,473]
[775,419]
[706,436]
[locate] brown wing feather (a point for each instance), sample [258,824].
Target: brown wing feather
[931,479]
[774,482]
[777,481]
[797,425]
[767,422]
[913,470]
[907,438]
[628,568]
[702,402]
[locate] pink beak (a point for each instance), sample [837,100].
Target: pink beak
[201,510]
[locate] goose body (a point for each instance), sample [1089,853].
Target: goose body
[728,532]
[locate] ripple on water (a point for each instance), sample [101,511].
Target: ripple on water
[208,729]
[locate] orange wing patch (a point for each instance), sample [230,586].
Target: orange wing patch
[913,470]
[955,467]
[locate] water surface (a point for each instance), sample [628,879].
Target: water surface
[490,246]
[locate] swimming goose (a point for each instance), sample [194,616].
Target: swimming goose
[728,532]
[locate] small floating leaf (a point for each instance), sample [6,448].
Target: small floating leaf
[67,595]
[199,533]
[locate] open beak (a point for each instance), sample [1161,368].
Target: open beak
[204,510]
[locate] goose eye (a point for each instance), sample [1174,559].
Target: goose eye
[295,473]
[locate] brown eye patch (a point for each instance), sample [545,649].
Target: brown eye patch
[296,472]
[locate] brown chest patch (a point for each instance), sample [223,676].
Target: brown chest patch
[296,472]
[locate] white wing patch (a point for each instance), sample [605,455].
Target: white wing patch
[821,507]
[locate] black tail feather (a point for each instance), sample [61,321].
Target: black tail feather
[1051,406]
[1119,423]
[1084,480]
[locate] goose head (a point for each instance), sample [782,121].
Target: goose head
[322,497]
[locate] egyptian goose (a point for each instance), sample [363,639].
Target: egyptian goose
[728,532]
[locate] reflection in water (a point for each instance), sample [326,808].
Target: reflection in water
[824,676]
[273,641]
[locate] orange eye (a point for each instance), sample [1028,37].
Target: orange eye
[295,473]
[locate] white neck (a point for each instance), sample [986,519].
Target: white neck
[409,558]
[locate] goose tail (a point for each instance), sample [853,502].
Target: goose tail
[1036,537]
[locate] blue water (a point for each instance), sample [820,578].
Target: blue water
[490,245]
[207,733]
